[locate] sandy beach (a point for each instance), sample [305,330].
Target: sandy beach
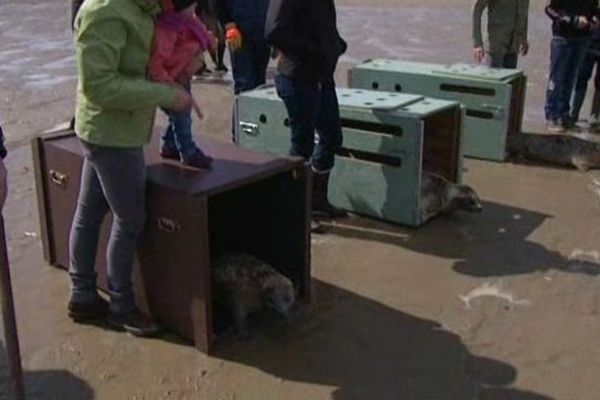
[504,305]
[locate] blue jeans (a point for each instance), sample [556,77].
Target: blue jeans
[586,69]
[312,107]
[112,180]
[178,135]
[249,65]
[565,57]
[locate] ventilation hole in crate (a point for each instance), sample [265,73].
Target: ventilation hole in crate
[345,95]
[270,92]
[480,114]
[262,119]
[445,87]
[358,91]
[372,127]
[371,157]
[368,103]
[398,88]
[375,85]
[286,122]
[381,99]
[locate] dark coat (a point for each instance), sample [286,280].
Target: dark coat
[306,33]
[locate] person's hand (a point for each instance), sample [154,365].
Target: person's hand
[524,48]
[3,185]
[183,101]
[233,37]
[194,66]
[478,54]
[582,22]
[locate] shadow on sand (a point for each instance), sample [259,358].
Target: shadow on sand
[45,385]
[367,350]
[492,244]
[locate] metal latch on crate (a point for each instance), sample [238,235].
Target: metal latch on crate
[498,111]
[249,128]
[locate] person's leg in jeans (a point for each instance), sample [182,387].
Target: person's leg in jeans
[511,59]
[302,102]
[329,130]
[262,55]
[92,208]
[122,177]
[595,114]
[583,76]
[574,57]
[558,71]
[244,76]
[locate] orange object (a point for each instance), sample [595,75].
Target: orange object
[233,37]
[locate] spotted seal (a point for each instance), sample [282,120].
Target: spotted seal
[439,195]
[561,150]
[245,285]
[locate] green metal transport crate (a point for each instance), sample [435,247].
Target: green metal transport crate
[389,140]
[494,98]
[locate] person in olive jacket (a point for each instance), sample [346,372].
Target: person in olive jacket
[305,34]
[116,105]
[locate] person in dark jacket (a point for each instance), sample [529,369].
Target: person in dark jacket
[586,69]
[571,26]
[306,36]
[244,23]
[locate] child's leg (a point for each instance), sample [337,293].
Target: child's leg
[167,140]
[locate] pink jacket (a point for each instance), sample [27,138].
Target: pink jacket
[178,38]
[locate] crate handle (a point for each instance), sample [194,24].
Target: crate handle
[167,225]
[249,128]
[58,178]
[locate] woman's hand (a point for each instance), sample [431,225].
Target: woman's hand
[183,101]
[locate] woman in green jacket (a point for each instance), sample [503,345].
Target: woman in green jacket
[115,112]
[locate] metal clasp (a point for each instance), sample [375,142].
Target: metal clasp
[59,178]
[498,111]
[249,128]
[168,225]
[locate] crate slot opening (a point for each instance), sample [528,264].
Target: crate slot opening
[372,127]
[446,87]
[370,157]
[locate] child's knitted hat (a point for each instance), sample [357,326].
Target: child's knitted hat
[182,4]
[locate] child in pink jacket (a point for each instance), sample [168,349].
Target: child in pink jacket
[179,41]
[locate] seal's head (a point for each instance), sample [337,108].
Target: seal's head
[466,199]
[279,294]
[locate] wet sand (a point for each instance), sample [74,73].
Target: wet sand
[502,305]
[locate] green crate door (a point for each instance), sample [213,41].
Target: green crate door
[374,188]
[262,124]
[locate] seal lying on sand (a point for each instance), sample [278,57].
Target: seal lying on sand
[439,195]
[246,285]
[562,150]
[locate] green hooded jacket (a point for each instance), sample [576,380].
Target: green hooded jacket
[116,104]
[507,24]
